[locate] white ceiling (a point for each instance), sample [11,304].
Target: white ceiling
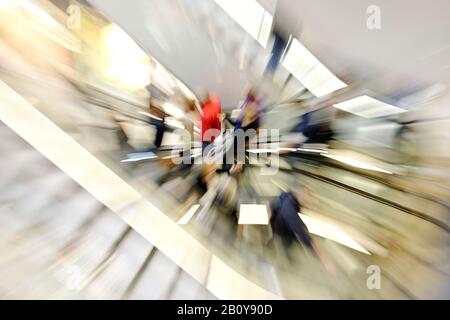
[168,32]
[412,47]
[413,44]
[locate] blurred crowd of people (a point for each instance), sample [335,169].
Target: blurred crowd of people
[201,152]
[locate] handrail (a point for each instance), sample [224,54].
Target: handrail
[373,197]
[314,157]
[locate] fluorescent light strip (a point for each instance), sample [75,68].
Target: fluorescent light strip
[171,157]
[285,48]
[356,163]
[262,150]
[312,74]
[264,31]
[287,149]
[150,115]
[368,107]
[138,159]
[251,16]
[311,150]
[328,231]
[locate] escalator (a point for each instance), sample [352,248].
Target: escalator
[60,242]
[388,220]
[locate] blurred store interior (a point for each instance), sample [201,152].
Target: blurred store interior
[342,190]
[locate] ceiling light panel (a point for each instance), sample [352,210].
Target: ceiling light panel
[310,71]
[368,107]
[330,85]
[251,16]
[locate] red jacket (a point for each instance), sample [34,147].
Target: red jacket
[210,119]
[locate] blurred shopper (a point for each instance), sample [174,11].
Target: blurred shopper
[318,132]
[250,114]
[183,168]
[210,124]
[279,46]
[247,126]
[287,224]
[157,120]
[315,126]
